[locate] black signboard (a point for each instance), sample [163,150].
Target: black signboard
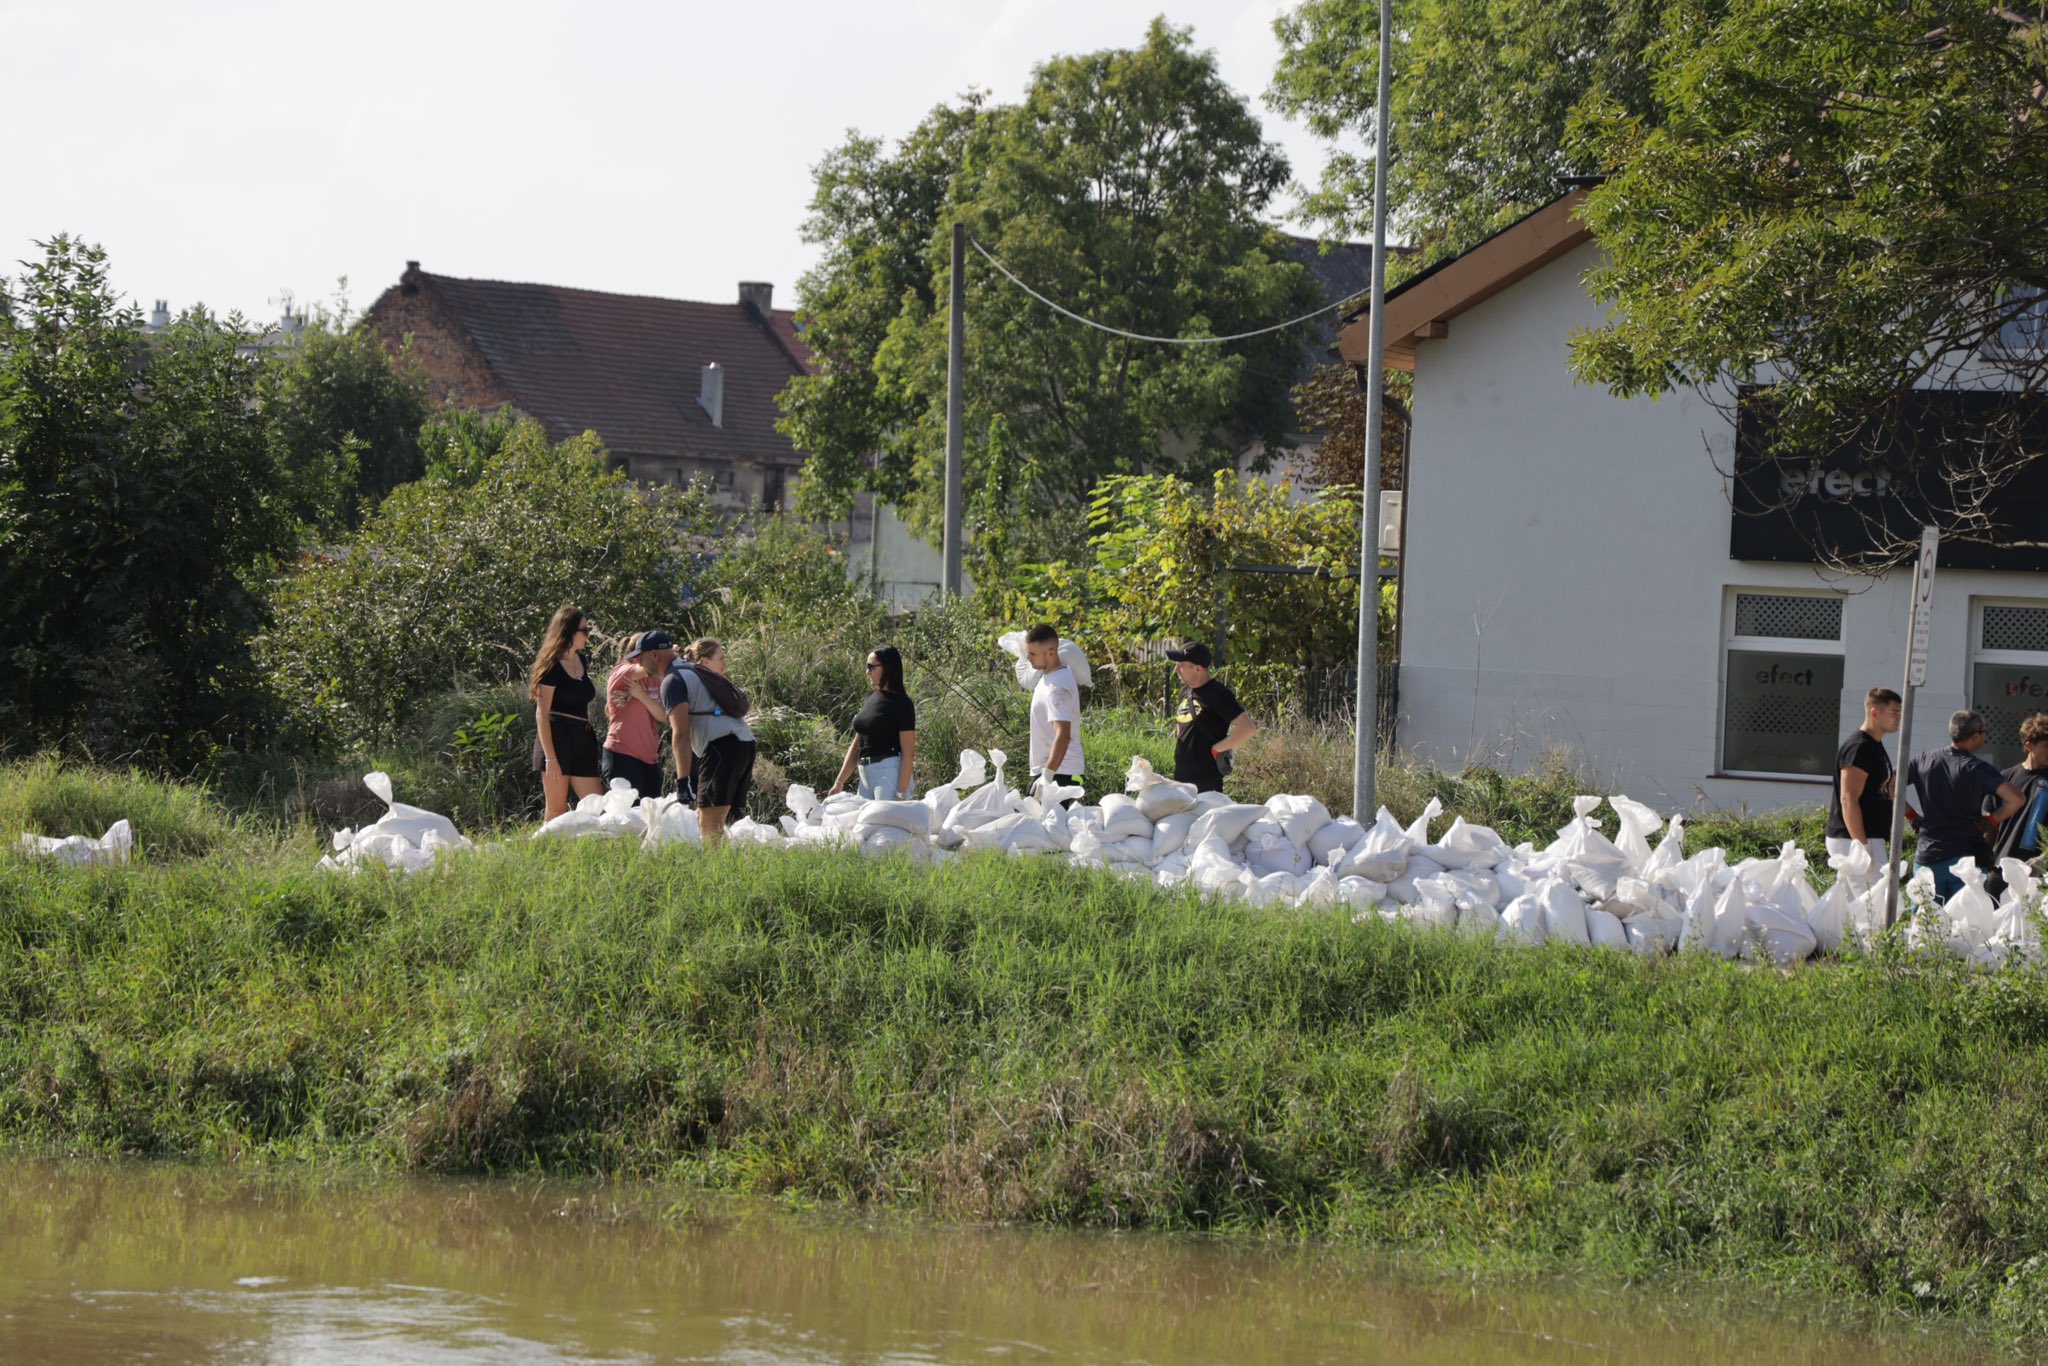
[1912,467]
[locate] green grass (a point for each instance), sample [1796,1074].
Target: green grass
[1016,1040]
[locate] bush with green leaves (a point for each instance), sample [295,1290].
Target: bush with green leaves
[348,415]
[449,586]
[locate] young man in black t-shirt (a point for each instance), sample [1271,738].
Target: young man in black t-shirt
[1860,806]
[1209,723]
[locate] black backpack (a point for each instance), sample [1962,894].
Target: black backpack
[726,700]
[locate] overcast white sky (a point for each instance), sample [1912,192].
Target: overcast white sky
[228,153]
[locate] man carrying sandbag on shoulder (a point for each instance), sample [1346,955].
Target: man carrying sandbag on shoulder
[1209,723]
[1056,758]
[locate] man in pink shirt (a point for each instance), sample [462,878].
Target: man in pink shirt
[632,699]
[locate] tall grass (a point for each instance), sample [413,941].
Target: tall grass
[1016,1040]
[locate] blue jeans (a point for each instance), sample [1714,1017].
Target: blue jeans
[1946,883]
[880,778]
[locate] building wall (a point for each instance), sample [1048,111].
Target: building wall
[457,374]
[1567,571]
[904,569]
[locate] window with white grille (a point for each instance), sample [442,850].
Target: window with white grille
[2008,671]
[1781,683]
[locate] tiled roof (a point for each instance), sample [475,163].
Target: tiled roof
[630,367]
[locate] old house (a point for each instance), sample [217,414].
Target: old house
[678,389]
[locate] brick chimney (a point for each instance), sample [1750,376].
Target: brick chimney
[758,296]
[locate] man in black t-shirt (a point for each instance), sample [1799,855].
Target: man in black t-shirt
[1957,792]
[1860,806]
[1208,725]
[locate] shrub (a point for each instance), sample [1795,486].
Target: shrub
[450,586]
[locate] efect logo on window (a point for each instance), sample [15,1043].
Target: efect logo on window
[1818,481]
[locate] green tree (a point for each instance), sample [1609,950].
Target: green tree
[1128,185]
[348,415]
[1159,563]
[457,443]
[1844,203]
[449,585]
[140,510]
[1482,100]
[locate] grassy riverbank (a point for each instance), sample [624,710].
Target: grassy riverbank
[1014,1040]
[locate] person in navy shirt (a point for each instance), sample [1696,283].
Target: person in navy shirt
[1958,792]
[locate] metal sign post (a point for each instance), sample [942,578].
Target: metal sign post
[1916,674]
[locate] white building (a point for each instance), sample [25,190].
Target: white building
[1570,574]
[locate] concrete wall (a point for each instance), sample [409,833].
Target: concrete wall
[1567,571]
[906,571]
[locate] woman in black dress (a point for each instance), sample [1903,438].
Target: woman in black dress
[565,749]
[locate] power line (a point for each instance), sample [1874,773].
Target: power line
[1140,336]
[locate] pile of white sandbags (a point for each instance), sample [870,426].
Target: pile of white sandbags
[112,847]
[1584,888]
[405,837]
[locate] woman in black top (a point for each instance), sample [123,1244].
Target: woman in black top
[884,733]
[565,749]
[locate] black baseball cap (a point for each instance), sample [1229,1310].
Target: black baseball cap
[1196,654]
[650,640]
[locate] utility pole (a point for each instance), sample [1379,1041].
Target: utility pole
[956,389]
[1363,776]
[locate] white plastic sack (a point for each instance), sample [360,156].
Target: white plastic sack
[409,823]
[112,847]
[1231,822]
[1337,836]
[1564,915]
[1298,817]
[1171,833]
[915,817]
[1071,656]
[1604,930]
[1276,854]
[1382,856]
[1122,819]
[1157,797]
[1523,919]
[1637,821]
[1467,846]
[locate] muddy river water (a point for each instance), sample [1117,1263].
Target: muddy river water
[171,1264]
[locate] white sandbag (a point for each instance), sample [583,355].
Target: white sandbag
[1210,801]
[1731,920]
[1475,884]
[1523,920]
[1276,854]
[1972,913]
[1603,930]
[112,847]
[1669,853]
[1418,831]
[1071,656]
[1779,934]
[1418,868]
[998,833]
[1121,818]
[1581,843]
[670,822]
[1467,846]
[1478,921]
[1509,878]
[1431,909]
[1382,856]
[1274,889]
[1211,867]
[800,799]
[1157,797]
[1637,821]
[748,831]
[1171,834]
[409,823]
[1298,817]
[1653,931]
[1564,914]
[1318,889]
[887,839]
[576,821]
[1084,844]
[915,817]
[1360,892]
[1856,870]
[1335,837]
[1829,918]
[1171,872]
[1230,822]
[1595,881]
[990,801]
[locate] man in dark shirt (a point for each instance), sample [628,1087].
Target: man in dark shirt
[1860,807]
[2020,837]
[1957,790]
[1209,723]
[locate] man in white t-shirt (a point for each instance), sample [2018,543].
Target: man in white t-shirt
[1055,711]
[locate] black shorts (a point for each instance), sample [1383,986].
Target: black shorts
[725,772]
[645,777]
[575,747]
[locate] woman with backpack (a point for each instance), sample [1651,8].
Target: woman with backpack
[714,747]
[884,733]
[564,746]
